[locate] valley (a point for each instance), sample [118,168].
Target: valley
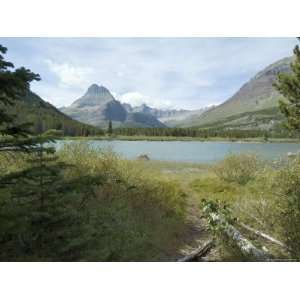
[254,106]
[106,180]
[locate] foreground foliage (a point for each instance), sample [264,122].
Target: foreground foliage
[288,205]
[268,201]
[238,168]
[99,208]
[78,204]
[288,85]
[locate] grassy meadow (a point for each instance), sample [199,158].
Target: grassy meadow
[122,211]
[261,194]
[105,208]
[252,192]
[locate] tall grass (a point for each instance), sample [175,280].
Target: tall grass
[239,168]
[287,200]
[263,195]
[137,213]
[121,211]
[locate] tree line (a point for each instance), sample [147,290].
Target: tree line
[201,133]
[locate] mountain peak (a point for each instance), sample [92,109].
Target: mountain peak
[95,95]
[254,98]
[95,90]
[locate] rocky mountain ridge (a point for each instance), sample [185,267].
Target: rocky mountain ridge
[170,117]
[98,106]
[258,94]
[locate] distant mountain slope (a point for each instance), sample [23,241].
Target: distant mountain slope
[257,94]
[44,116]
[170,117]
[139,119]
[185,118]
[97,106]
[161,114]
[265,119]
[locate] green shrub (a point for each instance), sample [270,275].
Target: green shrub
[106,209]
[238,168]
[287,195]
[134,213]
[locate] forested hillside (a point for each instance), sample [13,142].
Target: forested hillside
[44,116]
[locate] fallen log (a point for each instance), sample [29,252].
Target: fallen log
[200,252]
[245,246]
[263,235]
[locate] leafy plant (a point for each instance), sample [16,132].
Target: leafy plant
[289,86]
[238,168]
[287,196]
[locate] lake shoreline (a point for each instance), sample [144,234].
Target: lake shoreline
[184,139]
[187,151]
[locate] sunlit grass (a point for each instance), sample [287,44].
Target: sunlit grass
[139,210]
[143,211]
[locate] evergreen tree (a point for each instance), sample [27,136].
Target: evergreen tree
[289,86]
[110,129]
[30,202]
[13,85]
[43,222]
[15,138]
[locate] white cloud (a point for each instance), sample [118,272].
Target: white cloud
[137,98]
[185,73]
[68,74]
[202,82]
[58,97]
[120,74]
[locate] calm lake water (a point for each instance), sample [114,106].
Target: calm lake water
[192,151]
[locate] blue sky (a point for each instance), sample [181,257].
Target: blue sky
[163,72]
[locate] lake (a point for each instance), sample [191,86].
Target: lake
[192,151]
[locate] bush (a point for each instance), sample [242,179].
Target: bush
[287,193]
[238,168]
[134,213]
[102,208]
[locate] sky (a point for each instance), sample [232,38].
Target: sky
[187,73]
